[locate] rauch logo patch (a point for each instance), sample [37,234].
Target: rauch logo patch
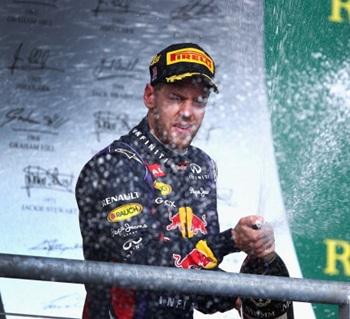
[124,212]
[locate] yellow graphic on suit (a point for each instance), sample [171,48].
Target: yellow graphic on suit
[124,212]
[203,247]
[199,257]
[165,189]
[187,222]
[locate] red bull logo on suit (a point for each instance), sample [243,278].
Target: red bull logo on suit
[187,222]
[199,257]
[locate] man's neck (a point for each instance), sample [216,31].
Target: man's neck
[174,150]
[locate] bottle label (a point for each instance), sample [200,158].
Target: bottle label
[284,316]
[265,309]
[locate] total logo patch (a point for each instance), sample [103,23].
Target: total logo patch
[124,212]
[165,189]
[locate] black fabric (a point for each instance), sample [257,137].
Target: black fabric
[141,203]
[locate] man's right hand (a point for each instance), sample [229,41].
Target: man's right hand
[254,236]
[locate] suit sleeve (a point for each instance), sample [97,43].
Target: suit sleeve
[115,220]
[220,244]
[114,210]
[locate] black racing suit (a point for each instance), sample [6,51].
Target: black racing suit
[140,203]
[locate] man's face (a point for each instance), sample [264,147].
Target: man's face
[176,111]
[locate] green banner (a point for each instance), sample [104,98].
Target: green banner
[307,49]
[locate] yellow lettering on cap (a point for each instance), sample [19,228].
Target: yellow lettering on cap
[155,59]
[191,55]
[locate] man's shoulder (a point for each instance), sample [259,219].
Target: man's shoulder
[204,160]
[117,154]
[200,154]
[124,151]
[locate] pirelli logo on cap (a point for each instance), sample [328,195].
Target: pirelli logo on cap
[191,55]
[124,212]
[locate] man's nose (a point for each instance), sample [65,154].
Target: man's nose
[186,108]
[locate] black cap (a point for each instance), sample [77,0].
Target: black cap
[181,61]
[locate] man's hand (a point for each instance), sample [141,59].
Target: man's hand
[253,236]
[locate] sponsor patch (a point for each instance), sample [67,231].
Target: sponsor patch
[151,147]
[127,230]
[165,189]
[187,223]
[132,244]
[130,155]
[195,168]
[165,202]
[124,212]
[119,197]
[199,257]
[182,166]
[190,55]
[197,172]
[175,303]
[201,192]
[156,170]
[155,59]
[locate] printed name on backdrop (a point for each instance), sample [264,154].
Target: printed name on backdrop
[40,178]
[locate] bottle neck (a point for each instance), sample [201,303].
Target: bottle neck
[269,258]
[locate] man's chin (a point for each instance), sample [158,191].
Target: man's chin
[180,144]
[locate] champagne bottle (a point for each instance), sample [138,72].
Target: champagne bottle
[259,308]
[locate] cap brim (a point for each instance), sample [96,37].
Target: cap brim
[179,77]
[210,82]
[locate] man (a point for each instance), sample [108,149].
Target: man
[150,197]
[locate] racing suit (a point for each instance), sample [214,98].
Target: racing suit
[141,203]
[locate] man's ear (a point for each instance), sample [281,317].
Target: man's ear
[148,96]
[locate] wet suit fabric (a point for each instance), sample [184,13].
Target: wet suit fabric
[141,203]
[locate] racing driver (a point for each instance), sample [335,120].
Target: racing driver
[150,197]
